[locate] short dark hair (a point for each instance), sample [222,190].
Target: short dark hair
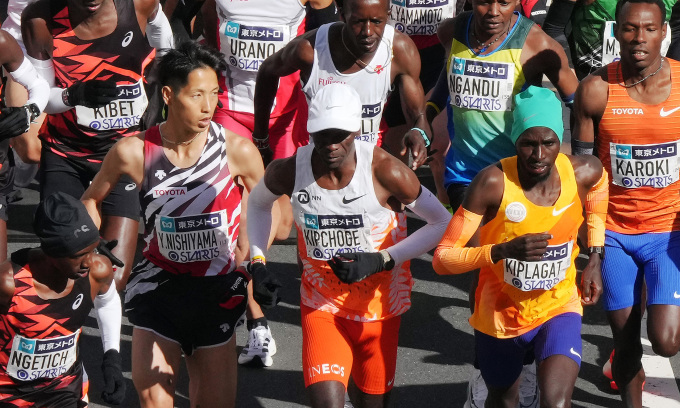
[621,3]
[175,66]
[345,6]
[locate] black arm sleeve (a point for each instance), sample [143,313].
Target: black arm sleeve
[558,16]
[317,18]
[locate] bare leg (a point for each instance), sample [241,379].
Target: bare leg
[362,400]
[212,374]
[556,380]
[155,364]
[627,363]
[125,231]
[327,394]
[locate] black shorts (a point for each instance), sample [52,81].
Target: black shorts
[456,193]
[433,61]
[192,311]
[6,176]
[58,173]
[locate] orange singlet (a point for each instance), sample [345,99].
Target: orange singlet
[638,145]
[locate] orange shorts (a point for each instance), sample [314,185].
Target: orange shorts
[334,347]
[286,132]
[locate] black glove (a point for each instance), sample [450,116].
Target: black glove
[265,285]
[356,266]
[105,248]
[114,382]
[94,93]
[13,122]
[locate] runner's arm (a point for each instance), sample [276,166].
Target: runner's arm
[125,157]
[6,285]
[159,32]
[22,71]
[320,12]
[407,60]
[589,105]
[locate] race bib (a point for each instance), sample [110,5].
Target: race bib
[193,238]
[31,359]
[125,112]
[540,275]
[327,235]
[633,166]
[419,17]
[481,85]
[370,122]
[247,46]
[611,50]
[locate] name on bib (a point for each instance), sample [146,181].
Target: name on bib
[370,122]
[539,275]
[419,17]
[193,238]
[633,166]
[32,359]
[124,112]
[481,85]
[247,46]
[328,235]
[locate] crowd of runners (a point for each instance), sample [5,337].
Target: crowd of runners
[218,125]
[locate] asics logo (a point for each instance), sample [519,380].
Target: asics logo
[78,301]
[345,200]
[130,187]
[557,212]
[571,350]
[128,39]
[676,295]
[663,113]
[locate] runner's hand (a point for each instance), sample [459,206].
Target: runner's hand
[413,141]
[105,247]
[527,247]
[265,285]
[13,122]
[591,281]
[356,266]
[94,93]
[114,382]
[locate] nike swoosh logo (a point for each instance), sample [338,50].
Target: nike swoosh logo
[557,212]
[571,350]
[663,113]
[676,295]
[529,117]
[346,201]
[332,107]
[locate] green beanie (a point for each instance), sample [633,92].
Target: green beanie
[536,107]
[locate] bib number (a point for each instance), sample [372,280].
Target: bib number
[481,85]
[328,235]
[122,113]
[31,359]
[193,238]
[541,275]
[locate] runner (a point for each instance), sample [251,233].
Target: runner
[347,196]
[93,55]
[16,120]
[186,295]
[531,207]
[493,54]
[626,111]
[46,294]
[234,28]
[364,52]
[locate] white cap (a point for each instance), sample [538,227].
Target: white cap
[335,106]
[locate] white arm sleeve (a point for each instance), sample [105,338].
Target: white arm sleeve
[159,32]
[45,68]
[427,237]
[260,205]
[37,87]
[109,316]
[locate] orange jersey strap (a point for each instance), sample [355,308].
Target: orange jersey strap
[597,202]
[451,256]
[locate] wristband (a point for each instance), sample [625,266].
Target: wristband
[64,97]
[422,133]
[258,259]
[599,250]
[261,143]
[433,106]
[33,112]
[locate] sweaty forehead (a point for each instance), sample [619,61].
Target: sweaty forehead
[351,6]
[632,12]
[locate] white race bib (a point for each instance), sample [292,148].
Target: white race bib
[540,275]
[193,238]
[328,235]
[633,166]
[481,85]
[370,122]
[247,46]
[31,359]
[420,17]
[125,112]
[611,49]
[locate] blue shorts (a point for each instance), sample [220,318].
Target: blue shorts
[501,360]
[630,258]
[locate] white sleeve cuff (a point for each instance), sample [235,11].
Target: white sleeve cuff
[260,205]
